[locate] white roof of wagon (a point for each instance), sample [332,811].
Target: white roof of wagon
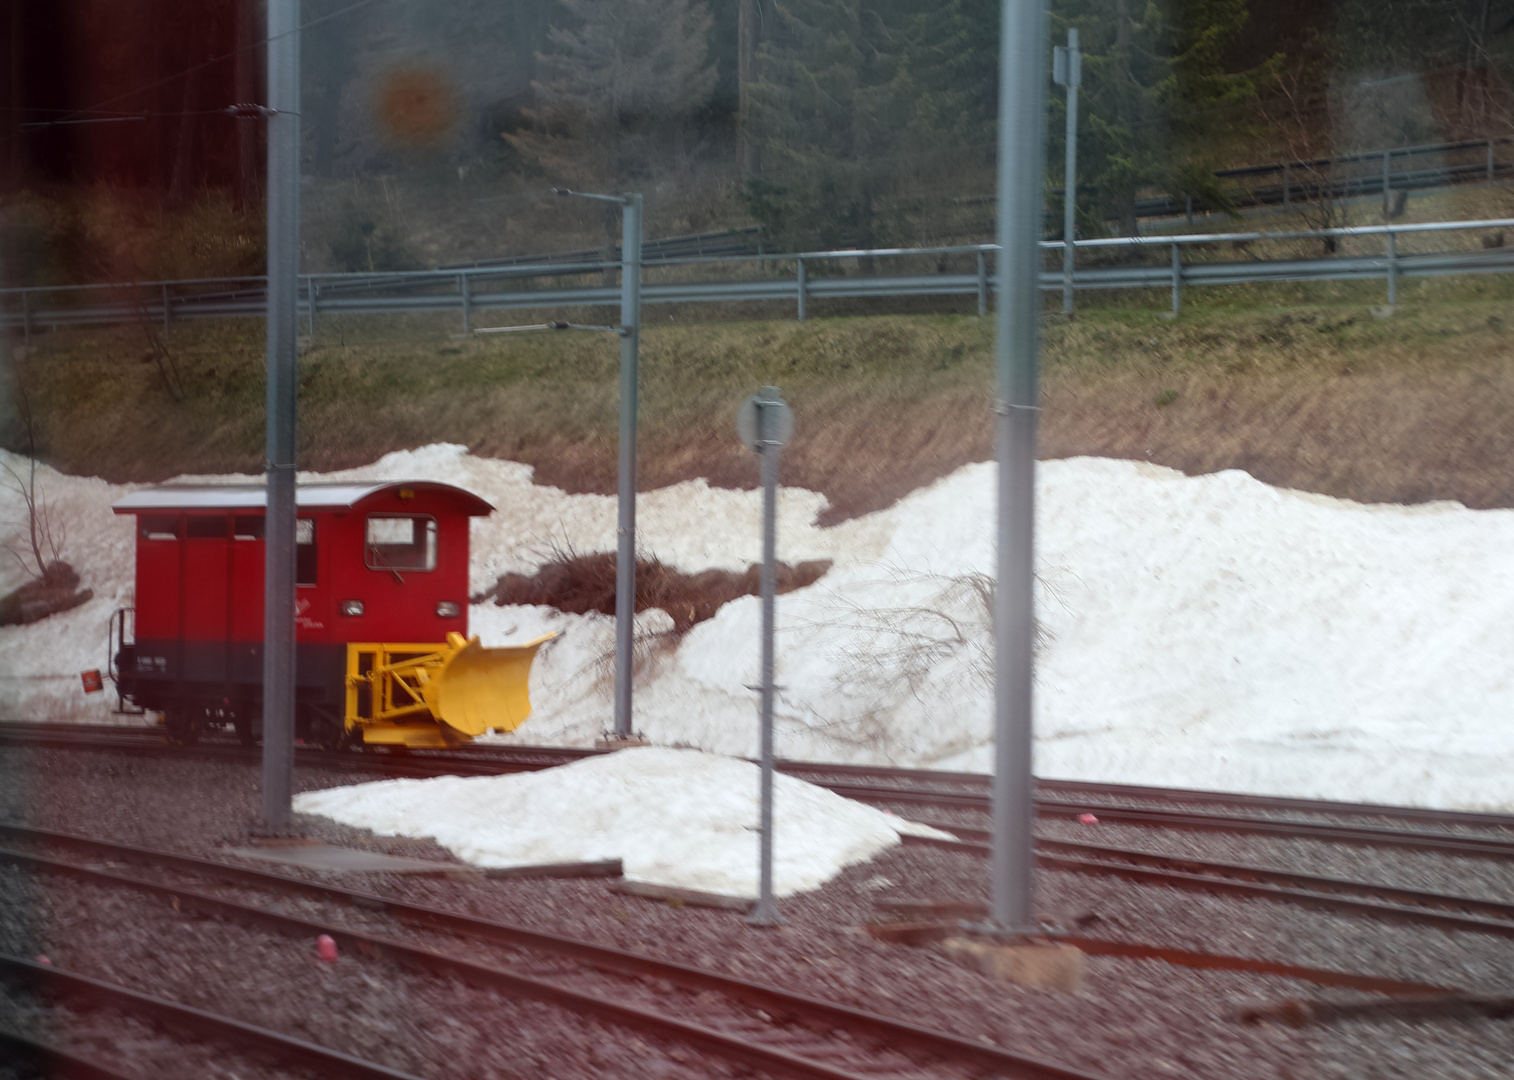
[332,495]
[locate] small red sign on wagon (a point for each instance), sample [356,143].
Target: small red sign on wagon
[93,683]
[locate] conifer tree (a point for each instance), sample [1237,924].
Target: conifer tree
[826,116]
[1160,103]
[621,83]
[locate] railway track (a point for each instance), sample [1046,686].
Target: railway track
[77,991]
[756,1025]
[1481,835]
[369,928]
[1340,895]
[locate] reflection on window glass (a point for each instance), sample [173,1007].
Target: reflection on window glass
[159,528]
[304,552]
[400,542]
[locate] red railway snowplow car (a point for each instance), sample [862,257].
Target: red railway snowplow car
[381,612]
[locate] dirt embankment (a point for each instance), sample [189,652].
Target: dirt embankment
[1324,398]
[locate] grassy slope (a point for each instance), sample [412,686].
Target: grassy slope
[1321,396]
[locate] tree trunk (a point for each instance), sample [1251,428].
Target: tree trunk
[746,73]
[1472,78]
[1124,198]
[248,62]
[13,133]
[189,118]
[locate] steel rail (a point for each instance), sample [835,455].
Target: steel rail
[894,1032]
[1293,879]
[1392,894]
[1186,881]
[1057,797]
[195,1023]
[1439,843]
[52,1061]
[1086,788]
[689,977]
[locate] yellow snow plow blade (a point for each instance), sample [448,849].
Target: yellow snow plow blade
[397,693]
[483,688]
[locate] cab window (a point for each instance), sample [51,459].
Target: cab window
[400,542]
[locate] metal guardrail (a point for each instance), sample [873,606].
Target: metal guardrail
[1346,176]
[725,242]
[471,291]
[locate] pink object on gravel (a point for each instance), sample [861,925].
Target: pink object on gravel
[1088,819]
[325,947]
[41,959]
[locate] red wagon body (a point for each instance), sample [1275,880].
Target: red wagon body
[376,562]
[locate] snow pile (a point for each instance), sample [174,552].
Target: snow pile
[673,817]
[1203,631]
[40,664]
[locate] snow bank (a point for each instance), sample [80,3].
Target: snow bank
[673,817]
[1203,631]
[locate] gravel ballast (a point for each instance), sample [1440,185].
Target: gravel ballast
[1133,1017]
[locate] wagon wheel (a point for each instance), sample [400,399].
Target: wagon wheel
[241,722]
[183,725]
[328,730]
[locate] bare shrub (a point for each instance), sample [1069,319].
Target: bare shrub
[897,650]
[578,584]
[52,585]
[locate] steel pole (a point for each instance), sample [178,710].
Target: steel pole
[1070,171]
[1022,75]
[283,360]
[625,558]
[764,913]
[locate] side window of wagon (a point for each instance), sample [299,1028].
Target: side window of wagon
[400,542]
[158,527]
[304,551]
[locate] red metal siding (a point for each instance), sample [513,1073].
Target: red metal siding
[205,603]
[247,558]
[209,589]
[157,587]
[401,605]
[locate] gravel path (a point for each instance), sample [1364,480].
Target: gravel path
[1133,1018]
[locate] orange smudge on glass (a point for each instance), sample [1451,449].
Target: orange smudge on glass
[416,107]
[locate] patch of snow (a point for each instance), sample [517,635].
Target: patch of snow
[1207,631]
[673,817]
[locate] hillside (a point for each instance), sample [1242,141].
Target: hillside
[1324,397]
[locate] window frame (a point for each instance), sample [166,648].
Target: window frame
[430,544]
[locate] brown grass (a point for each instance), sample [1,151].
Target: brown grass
[1310,391]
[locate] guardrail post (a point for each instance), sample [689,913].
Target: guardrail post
[165,312]
[26,317]
[1387,182]
[1188,207]
[1177,281]
[982,285]
[465,287]
[313,291]
[1287,184]
[1490,159]
[801,289]
[1392,269]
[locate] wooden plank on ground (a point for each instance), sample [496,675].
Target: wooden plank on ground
[599,868]
[680,897]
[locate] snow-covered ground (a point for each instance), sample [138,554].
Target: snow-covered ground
[1203,631]
[673,817]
